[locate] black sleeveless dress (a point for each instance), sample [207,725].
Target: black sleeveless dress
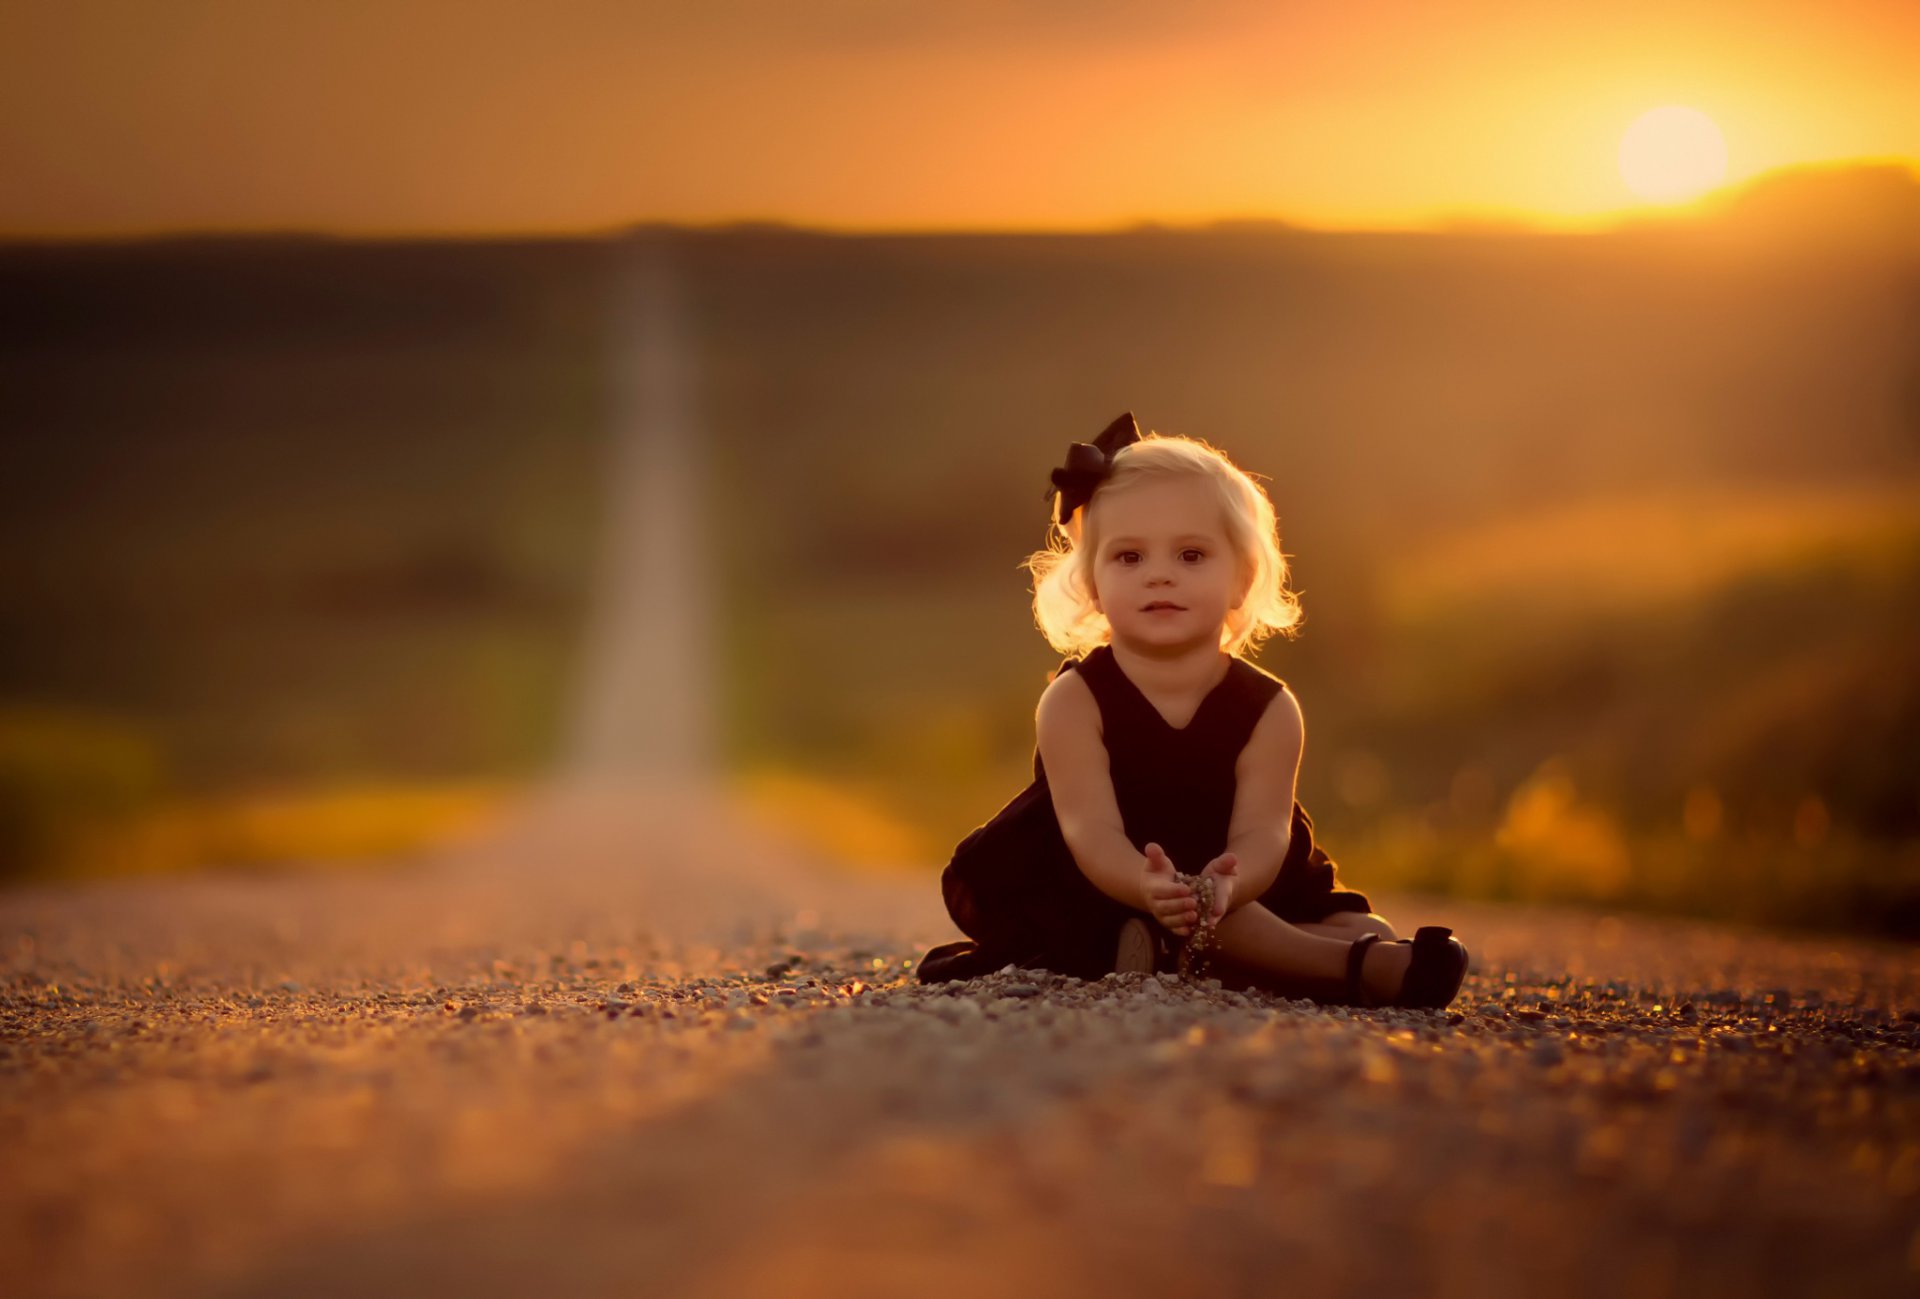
[1014,888]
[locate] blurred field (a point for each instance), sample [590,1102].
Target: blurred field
[1721,688]
[1608,544]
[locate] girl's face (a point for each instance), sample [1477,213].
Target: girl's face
[1164,575]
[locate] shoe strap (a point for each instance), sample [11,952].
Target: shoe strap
[1357,957]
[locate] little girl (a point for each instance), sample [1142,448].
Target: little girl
[1160,751]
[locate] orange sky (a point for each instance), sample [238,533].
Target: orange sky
[383,116]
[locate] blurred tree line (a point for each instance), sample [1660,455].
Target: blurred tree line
[1607,543]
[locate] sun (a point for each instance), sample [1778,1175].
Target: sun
[1670,154]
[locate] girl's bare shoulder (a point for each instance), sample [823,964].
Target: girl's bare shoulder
[1067,700]
[1277,737]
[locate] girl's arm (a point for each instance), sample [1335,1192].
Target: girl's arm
[1067,725]
[1264,781]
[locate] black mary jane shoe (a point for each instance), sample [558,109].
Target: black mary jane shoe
[1433,978]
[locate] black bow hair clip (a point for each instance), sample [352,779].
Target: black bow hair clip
[1089,464]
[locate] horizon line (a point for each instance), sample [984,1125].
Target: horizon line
[1451,226]
[1493,222]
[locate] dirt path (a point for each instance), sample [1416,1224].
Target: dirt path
[609,1056]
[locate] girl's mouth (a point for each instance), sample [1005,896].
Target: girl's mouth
[1161,606]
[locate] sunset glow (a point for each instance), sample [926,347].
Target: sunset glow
[430,116]
[1672,153]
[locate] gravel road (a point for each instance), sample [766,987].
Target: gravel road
[615,1051]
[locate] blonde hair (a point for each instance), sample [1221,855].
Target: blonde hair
[1063,586]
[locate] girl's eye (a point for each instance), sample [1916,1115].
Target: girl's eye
[1192,551]
[1126,555]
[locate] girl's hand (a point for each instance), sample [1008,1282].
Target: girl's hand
[1225,870]
[1168,900]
